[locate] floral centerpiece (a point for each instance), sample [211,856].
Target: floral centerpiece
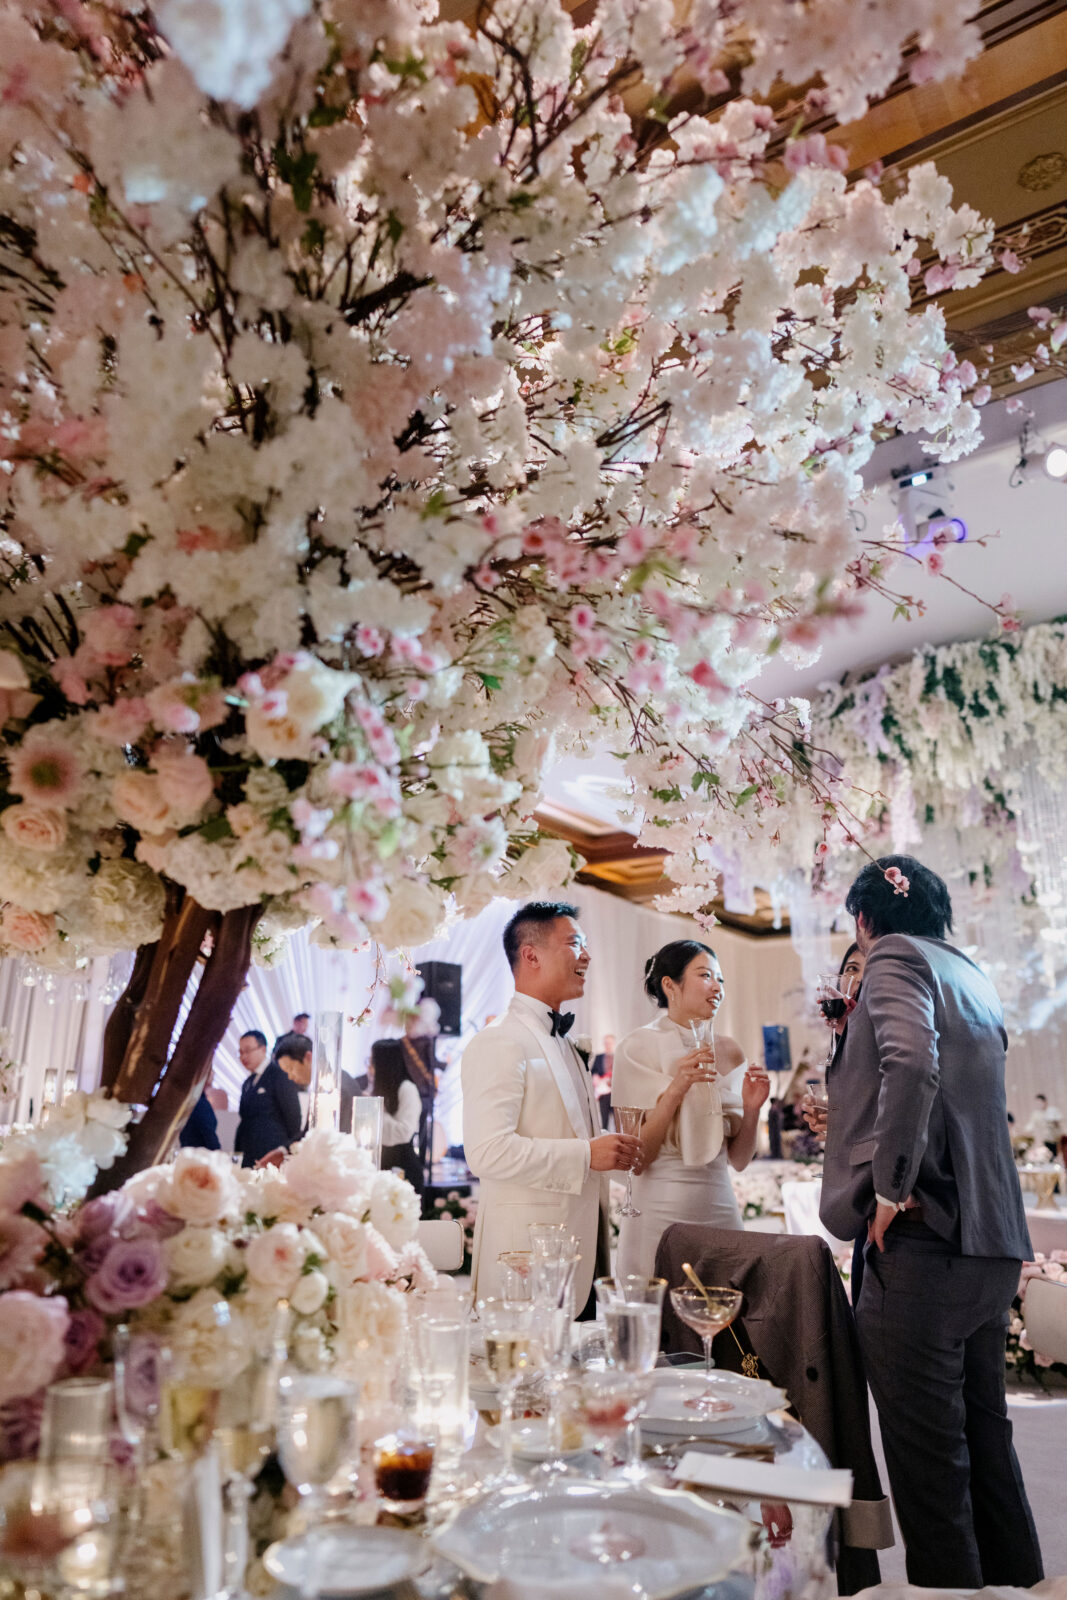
[326,1232]
[388,403]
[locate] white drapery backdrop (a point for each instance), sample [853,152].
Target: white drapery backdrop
[763,985]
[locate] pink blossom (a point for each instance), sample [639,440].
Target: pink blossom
[1010,261]
[583,618]
[900,884]
[368,900]
[1040,314]
[22,1243]
[635,543]
[935,562]
[981,395]
[708,679]
[32,1333]
[44,769]
[26,931]
[109,632]
[369,641]
[186,779]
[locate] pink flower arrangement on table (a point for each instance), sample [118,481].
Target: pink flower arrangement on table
[326,1231]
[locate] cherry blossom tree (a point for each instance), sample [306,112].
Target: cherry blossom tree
[389,404]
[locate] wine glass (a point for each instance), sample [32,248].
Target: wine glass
[512,1349]
[835,995]
[59,1528]
[628,1119]
[517,1265]
[633,1314]
[707,1311]
[316,1436]
[610,1400]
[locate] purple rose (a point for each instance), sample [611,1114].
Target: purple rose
[103,1216]
[82,1340]
[132,1274]
[92,1256]
[141,1375]
[157,1222]
[20,1427]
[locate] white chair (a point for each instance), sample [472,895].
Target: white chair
[1045,1316]
[800,1201]
[442,1239]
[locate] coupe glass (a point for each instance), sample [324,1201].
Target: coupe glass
[633,1314]
[512,1351]
[707,1313]
[628,1119]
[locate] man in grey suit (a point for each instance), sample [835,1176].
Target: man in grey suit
[917,1152]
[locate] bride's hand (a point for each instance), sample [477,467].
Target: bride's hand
[698,1066]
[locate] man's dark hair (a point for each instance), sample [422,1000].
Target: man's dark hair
[925,911]
[254,1033]
[293,1045]
[528,921]
[670,961]
[301,1015]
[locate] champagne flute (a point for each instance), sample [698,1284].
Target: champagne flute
[633,1315]
[553,1295]
[189,1393]
[707,1311]
[512,1349]
[628,1119]
[244,1436]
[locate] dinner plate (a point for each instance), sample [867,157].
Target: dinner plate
[530,1440]
[351,1561]
[576,1531]
[671,1405]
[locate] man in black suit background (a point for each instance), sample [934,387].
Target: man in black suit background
[270,1118]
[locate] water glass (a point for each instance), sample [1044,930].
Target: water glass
[76,1421]
[517,1266]
[633,1315]
[441,1348]
[512,1351]
[367,1125]
[316,1433]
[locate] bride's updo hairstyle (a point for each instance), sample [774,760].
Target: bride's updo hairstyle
[671,962]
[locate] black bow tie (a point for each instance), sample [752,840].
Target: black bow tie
[562,1022]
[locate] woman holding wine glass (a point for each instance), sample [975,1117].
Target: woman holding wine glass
[699,1102]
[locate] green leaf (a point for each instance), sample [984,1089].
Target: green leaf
[489,680]
[314,237]
[324,116]
[746,794]
[135,544]
[214,829]
[435,506]
[297,168]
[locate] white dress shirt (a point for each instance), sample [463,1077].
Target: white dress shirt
[402,1126]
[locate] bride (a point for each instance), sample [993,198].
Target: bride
[701,1106]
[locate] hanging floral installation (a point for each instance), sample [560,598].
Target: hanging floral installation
[961,752]
[388,404]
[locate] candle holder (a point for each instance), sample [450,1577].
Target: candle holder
[326,1081]
[367,1125]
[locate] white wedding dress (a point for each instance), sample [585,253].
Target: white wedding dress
[671,1190]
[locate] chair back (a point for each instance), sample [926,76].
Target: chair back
[1045,1316]
[442,1239]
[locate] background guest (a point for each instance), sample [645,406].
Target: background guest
[401,1109]
[601,1070]
[270,1117]
[294,1054]
[201,1130]
[419,1045]
[1044,1124]
[302,1023]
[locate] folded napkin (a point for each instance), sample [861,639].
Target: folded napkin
[767,1480]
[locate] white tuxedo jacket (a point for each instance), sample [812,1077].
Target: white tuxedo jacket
[526,1139]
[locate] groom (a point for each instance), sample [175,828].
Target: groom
[531,1128]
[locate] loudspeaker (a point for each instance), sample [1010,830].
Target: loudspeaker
[777,1056]
[443,981]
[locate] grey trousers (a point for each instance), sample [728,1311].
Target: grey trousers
[932,1326]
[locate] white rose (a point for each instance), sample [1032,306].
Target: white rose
[200,1187]
[37,828]
[195,1256]
[414,916]
[275,1258]
[345,1243]
[216,1351]
[545,867]
[394,1209]
[329,1169]
[310,1292]
[267,1194]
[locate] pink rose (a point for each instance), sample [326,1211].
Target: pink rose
[38,828]
[32,1334]
[22,1243]
[44,769]
[28,931]
[200,1187]
[138,799]
[186,780]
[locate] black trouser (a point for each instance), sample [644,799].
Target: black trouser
[404,1157]
[932,1328]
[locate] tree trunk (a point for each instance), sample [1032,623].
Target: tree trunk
[142,1074]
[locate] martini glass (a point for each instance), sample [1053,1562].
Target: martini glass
[628,1119]
[707,1312]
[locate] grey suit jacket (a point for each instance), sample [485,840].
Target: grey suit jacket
[917,1102]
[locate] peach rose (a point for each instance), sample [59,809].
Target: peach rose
[37,828]
[186,780]
[28,931]
[201,1187]
[138,799]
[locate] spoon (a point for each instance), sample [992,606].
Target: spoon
[695,1281]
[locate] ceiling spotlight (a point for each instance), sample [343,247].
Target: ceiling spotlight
[1056,461]
[913,480]
[942,530]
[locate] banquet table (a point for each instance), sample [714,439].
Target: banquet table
[787,1556]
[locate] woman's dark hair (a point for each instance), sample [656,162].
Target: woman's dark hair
[847,957]
[293,1045]
[671,962]
[390,1071]
[925,911]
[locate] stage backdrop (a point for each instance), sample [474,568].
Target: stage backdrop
[763,985]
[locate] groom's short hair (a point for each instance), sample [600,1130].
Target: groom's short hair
[925,911]
[528,924]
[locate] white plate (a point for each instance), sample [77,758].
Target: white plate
[352,1561]
[677,1541]
[670,1407]
[530,1440]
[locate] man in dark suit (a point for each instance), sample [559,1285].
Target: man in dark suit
[917,1151]
[270,1117]
[603,1065]
[201,1130]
